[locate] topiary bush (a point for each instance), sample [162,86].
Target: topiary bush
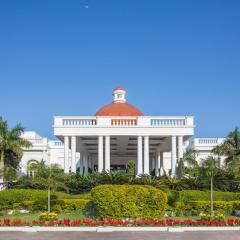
[196,195]
[18,195]
[36,200]
[197,207]
[78,205]
[172,196]
[128,201]
[12,196]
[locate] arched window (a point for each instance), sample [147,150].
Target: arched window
[31,166]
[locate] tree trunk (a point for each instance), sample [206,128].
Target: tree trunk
[49,198]
[211,200]
[2,165]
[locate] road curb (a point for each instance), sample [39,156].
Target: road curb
[116,229]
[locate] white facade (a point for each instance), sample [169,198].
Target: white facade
[204,147]
[50,152]
[108,140]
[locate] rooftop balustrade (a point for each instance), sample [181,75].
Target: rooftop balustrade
[207,141]
[61,121]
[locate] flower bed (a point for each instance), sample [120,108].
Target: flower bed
[121,223]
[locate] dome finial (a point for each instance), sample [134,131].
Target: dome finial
[119,95]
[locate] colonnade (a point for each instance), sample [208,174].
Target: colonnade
[143,161]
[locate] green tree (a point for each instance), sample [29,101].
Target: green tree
[131,168]
[230,147]
[11,145]
[190,157]
[211,168]
[188,166]
[172,183]
[51,176]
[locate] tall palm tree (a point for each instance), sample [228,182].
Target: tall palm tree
[211,168]
[190,157]
[230,147]
[11,143]
[189,160]
[51,176]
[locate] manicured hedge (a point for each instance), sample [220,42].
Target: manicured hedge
[134,201]
[196,195]
[70,205]
[19,195]
[12,196]
[197,207]
[57,205]
[36,200]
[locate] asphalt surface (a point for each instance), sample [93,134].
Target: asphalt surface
[120,236]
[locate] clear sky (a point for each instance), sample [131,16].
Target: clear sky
[173,57]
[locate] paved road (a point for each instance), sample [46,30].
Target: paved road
[119,236]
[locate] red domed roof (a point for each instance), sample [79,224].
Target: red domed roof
[119,88]
[119,109]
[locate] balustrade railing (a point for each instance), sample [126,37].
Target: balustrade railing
[168,122]
[124,121]
[207,140]
[79,122]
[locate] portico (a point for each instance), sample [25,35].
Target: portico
[119,132]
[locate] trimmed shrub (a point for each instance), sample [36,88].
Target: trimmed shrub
[48,216]
[71,205]
[204,206]
[11,196]
[28,205]
[36,200]
[134,201]
[196,195]
[197,207]
[236,205]
[172,196]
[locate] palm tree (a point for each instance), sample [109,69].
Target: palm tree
[230,147]
[172,183]
[51,176]
[211,168]
[11,144]
[189,160]
[190,157]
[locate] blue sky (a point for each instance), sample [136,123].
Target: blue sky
[173,57]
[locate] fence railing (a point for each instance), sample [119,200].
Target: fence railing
[123,121]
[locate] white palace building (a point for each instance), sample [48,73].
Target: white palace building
[116,134]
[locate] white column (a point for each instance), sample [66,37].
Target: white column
[100,153]
[146,155]
[90,164]
[66,154]
[81,162]
[161,164]
[180,147]
[157,164]
[107,153]
[85,163]
[73,148]
[140,157]
[173,156]
[153,160]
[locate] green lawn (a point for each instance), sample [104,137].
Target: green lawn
[32,216]
[75,215]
